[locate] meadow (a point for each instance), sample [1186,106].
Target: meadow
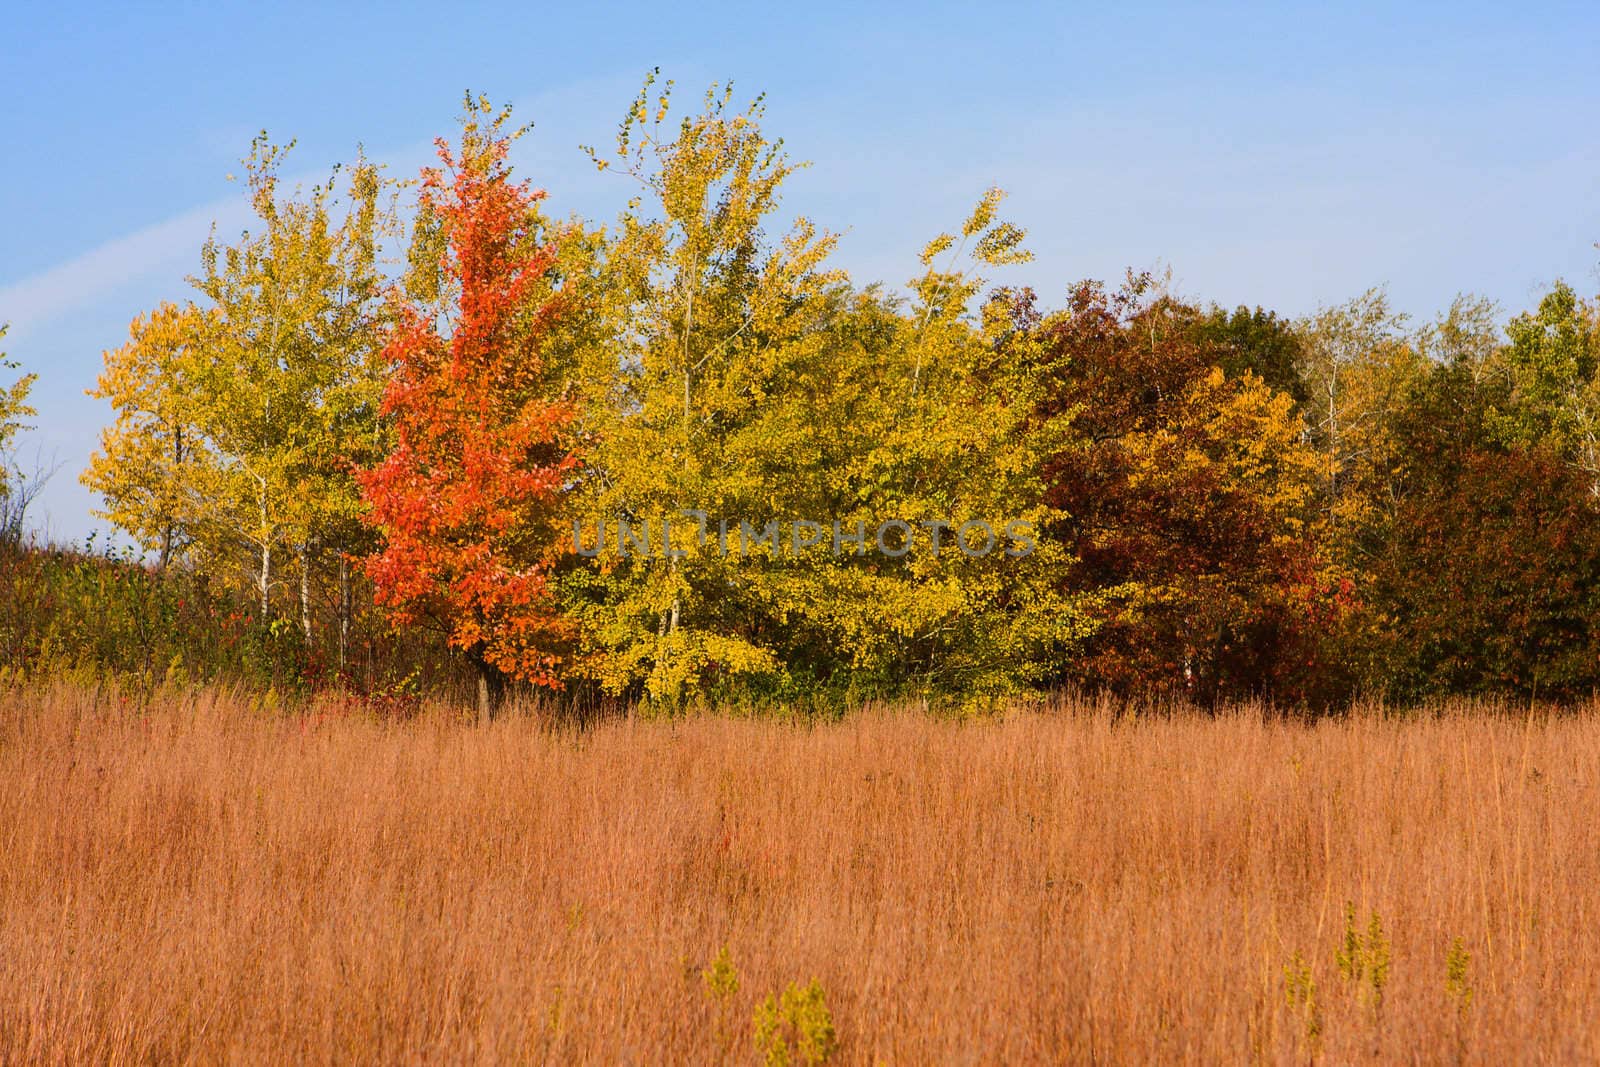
[197,876]
[335,726]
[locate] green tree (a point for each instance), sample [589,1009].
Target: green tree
[1256,342]
[1552,362]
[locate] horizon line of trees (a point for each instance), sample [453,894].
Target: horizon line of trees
[1226,503]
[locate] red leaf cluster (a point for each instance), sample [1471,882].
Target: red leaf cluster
[476,461]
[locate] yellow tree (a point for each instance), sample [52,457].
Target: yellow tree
[149,467]
[291,383]
[1358,365]
[13,402]
[773,419]
[707,325]
[929,420]
[240,422]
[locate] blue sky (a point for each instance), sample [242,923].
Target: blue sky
[1280,155]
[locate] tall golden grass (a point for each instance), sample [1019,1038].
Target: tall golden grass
[203,881]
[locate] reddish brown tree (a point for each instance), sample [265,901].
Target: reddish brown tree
[1485,575]
[1183,494]
[466,497]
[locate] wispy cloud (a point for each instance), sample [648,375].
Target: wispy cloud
[81,282]
[172,247]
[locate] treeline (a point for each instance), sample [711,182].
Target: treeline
[430,410]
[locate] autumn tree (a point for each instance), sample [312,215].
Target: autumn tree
[710,328]
[1358,362]
[1186,501]
[930,417]
[657,458]
[1467,334]
[468,498]
[14,411]
[240,417]
[745,381]
[147,467]
[1485,576]
[287,391]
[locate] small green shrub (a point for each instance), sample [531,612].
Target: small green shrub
[722,981]
[796,1028]
[1364,958]
[1300,991]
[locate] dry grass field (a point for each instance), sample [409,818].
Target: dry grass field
[201,881]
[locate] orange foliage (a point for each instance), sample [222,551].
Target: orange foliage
[476,463]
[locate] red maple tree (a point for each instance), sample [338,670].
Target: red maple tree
[465,497]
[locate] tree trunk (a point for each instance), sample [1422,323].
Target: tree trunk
[266,549]
[169,534]
[264,580]
[344,610]
[491,690]
[305,593]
